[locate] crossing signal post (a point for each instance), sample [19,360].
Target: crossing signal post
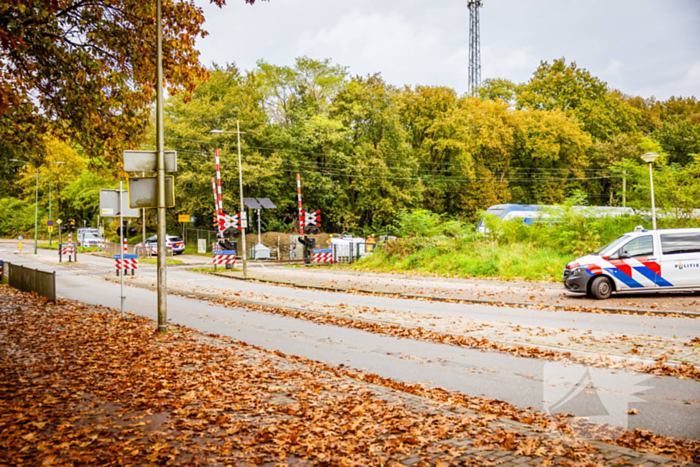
[311,222]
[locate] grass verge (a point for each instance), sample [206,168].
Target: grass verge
[80,248]
[155,261]
[219,269]
[453,257]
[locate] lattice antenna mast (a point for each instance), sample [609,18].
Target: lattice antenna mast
[474,47]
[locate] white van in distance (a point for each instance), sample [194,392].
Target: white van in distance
[642,260]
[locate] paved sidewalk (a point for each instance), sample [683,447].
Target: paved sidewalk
[127,395]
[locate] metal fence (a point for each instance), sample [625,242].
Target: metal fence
[32,280]
[192,237]
[142,252]
[350,252]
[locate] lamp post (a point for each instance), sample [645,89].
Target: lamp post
[36,203]
[240,185]
[650,157]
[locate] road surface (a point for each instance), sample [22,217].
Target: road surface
[662,402]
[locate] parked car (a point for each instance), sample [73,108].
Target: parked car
[656,260]
[91,240]
[172,241]
[86,230]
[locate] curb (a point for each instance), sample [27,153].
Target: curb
[476,301]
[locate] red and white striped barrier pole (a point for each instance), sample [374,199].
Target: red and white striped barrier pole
[125,246]
[216,205]
[218,182]
[301,220]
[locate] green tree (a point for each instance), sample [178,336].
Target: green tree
[380,175]
[602,112]
[310,86]
[676,186]
[551,151]
[226,97]
[499,88]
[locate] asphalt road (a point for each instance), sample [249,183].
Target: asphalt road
[603,396]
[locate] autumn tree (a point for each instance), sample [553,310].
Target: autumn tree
[86,69]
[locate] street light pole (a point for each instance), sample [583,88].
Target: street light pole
[160,227]
[36,209]
[650,157]
[50,211]
[240,185]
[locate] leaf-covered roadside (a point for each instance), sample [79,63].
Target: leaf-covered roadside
[80,386]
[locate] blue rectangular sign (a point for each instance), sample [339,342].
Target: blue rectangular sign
[225,252]
[126,257]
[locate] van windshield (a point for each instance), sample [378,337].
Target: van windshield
[611,247]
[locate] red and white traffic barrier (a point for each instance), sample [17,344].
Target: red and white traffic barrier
[126,264]
[322,256]
[225,259]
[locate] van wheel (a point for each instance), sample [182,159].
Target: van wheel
[601,288]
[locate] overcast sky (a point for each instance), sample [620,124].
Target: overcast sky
[642,47]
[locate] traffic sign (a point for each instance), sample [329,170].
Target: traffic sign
[58,221]
[183,218]
[49,223]
[20,238]
[50,228]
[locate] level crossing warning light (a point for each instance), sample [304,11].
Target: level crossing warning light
[310,222]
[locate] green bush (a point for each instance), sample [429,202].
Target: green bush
[433,244]
[16,217]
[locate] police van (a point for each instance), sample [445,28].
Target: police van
[655,260]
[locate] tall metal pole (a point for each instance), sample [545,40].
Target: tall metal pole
[624,189]
[162,279]
[50,211]
[653,206]
[240,184]
[474,69]
[143,220]
[36,209]
[121,248]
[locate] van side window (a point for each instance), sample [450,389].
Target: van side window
[677,243]
[642,246]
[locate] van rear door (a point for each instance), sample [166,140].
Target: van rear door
[680,262]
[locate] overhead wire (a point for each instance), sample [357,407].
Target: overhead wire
[327,155]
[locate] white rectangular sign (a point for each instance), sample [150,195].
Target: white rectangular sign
[147,161]
[109,204]
[143,192]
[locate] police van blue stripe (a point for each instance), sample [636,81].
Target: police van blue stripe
[624,278]
[652,276]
